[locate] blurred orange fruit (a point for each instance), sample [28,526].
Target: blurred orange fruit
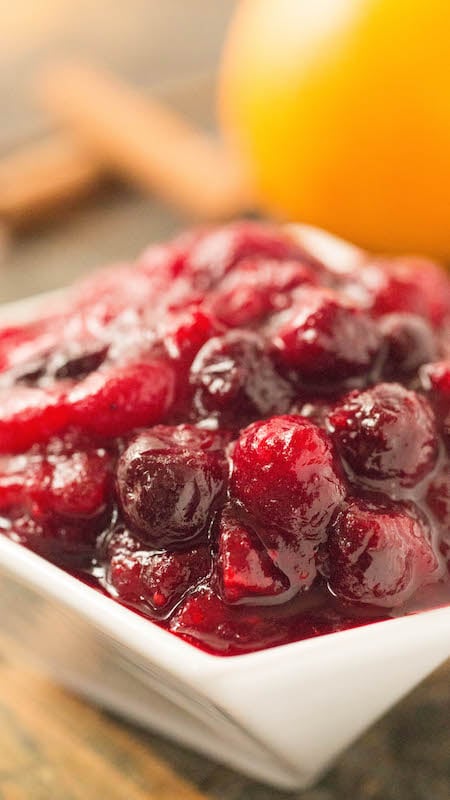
[340,112]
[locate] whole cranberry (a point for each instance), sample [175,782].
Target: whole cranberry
[215,252]
[409,341]
[245,569]
[438,497]
[386,434]
[410,284]
[379,553]
[235,381]
[325,339]
[286,475]
[257,288]
[170,482]
[435,379]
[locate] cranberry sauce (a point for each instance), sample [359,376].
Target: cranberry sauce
[236,440]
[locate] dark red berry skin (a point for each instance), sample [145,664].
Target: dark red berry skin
[409,342]
[153,582]
[324,339]
[286,477]
[245,569]
[435,379]
[285,474]
[215,253]
[257,288]
[378,553]
[56,499]
[386,435]
[438,503]
[413,285]
[235,381]
[170,482]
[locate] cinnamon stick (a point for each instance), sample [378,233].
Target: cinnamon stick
[145,142]
[41,175]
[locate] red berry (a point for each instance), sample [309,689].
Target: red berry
[286,476]
[324,339]
[153,581]
[256,288]
[235,381]
[29,415]
[378,553]
[170,483]
[409,342]
[245,569]
[438,497]
[214,253]
[436,380]
[114,401]
[409,284]
[59,493]
[386,435]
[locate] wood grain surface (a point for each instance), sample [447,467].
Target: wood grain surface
[54,746]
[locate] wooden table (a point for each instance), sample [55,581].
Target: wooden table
[52,745]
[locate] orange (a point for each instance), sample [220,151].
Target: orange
[340,113]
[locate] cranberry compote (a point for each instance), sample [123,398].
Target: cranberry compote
[235,439]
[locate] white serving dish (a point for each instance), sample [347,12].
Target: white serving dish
[280,715]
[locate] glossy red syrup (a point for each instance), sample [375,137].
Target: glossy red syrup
[235,439]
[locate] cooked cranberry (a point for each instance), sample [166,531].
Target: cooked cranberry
[78,362]
[285,474]
[114,401]
[386,434]
[79,484]
[324,339]
[438,500]
[244,567]
[410,284]
[60,493]
[29,415]
[438,497]
[20,344]
[170,482]
[68,543]
[153,580]
[379,554]
[409,341]
[256,288]
[185,332]
[436,379]
[316,409]
[217,251]
[180,337]
[66,477]
[235,381]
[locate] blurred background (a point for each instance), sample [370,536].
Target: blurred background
[172,47]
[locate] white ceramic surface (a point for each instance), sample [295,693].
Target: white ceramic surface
[280,715]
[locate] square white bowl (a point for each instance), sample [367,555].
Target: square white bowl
[280,715]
